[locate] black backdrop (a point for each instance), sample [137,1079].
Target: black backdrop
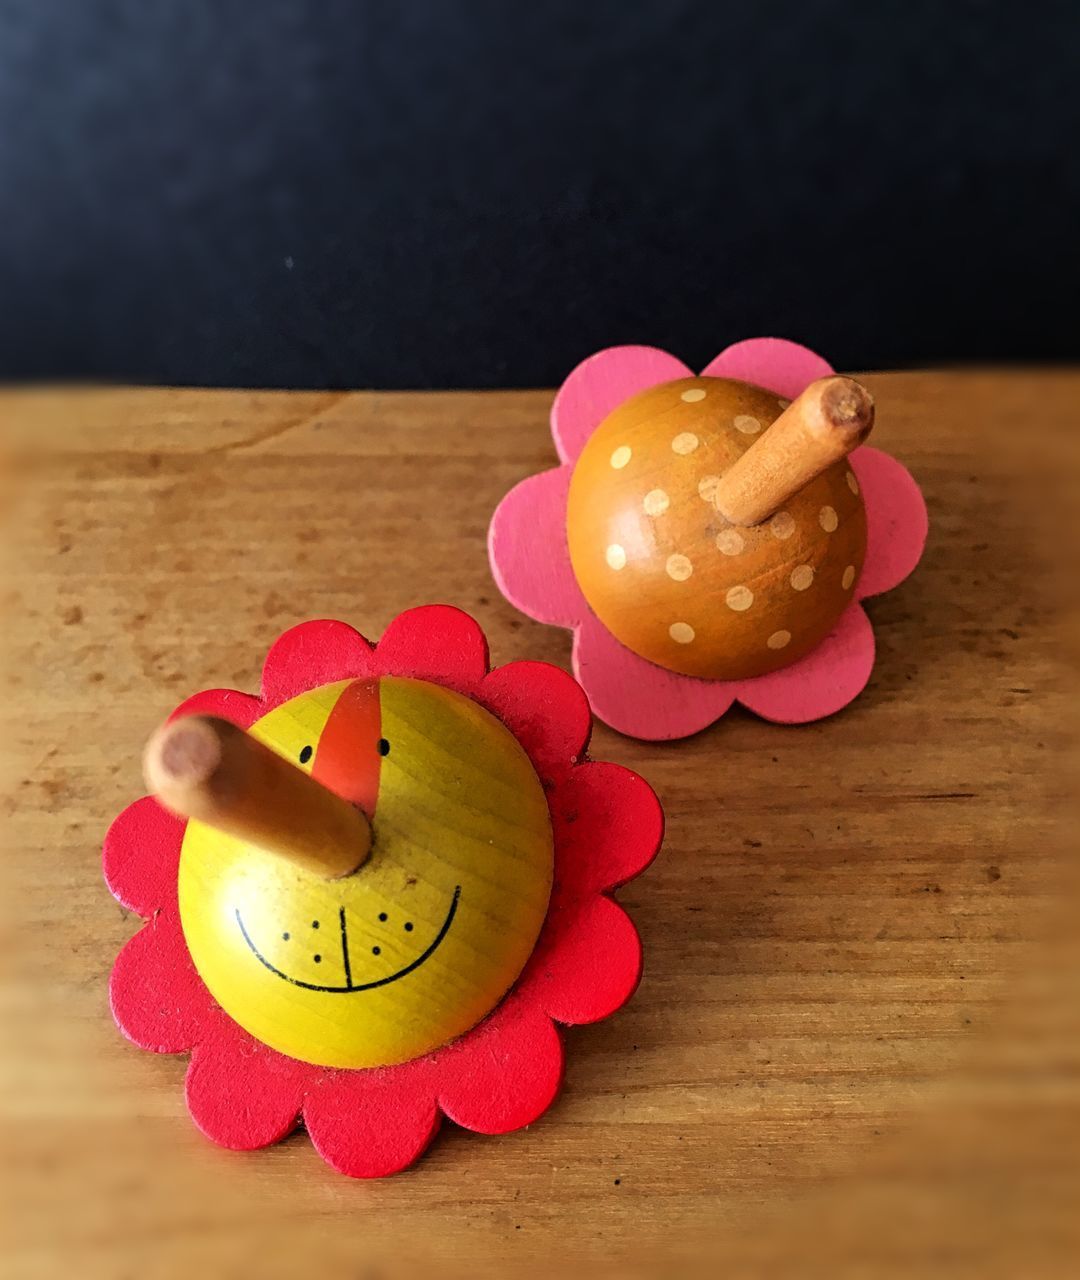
[480,192]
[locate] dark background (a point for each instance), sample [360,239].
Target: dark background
[480,192]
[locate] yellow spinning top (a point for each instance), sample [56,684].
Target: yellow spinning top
[371,886]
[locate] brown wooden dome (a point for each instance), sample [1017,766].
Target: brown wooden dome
[671,577]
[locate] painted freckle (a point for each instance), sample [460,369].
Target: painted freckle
[730,542]
[656,502]
[848,578]
[782,525]
[802,576]
[615,556]
[779,640]
[620,457]
[707,487]
[679,568]
[739,598]
[746,424]
[685,442]
[852,483]
[693,394]
[828,519]
[681,632]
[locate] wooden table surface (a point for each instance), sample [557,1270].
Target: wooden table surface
[823,1052]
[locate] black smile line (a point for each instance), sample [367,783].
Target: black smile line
[349,984]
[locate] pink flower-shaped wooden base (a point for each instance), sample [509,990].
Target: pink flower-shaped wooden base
[531,562]
[501,1075]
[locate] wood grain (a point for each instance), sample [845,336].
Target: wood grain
[829,930]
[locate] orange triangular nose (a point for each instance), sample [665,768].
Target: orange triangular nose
[347,759]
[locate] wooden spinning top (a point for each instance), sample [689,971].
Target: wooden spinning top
[717,530]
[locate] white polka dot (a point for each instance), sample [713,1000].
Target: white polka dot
[781,525]
[681,632]
[782,402]
[693,394]
[739,598]
[730,542]
[707,487]
[685,442]
[656,502]
[747,425]
[828,519]
[848,578]
[615,556]
[679,568]
[620,457]
[852,483]
[801,577]
[779,640]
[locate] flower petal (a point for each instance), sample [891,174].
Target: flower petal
[504,1074]
[140,856]
[601,383]
[530,559]
[241,709]
[896,521]
[157,998]
[823,682]
[242,1094]
[774,363]
[311,654]
[610,821]
[366,1124]
[638,698]
[587,963]
[545,709]
[435,642]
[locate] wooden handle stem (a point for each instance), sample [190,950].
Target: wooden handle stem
[823,425]
[205,768]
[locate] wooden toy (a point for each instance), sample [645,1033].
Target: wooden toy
[708,538]
[372,890]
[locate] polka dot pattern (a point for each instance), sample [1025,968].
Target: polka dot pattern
[668,575]
[679,567]
[852,483]
[707,487]
[782,525]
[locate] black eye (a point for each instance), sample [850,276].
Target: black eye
[384,747]
[305,755]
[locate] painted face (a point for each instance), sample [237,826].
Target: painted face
[421,942]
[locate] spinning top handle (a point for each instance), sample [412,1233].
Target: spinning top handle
[823,425]
[205,768]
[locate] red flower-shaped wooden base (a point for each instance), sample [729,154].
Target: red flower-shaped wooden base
[504,1073]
